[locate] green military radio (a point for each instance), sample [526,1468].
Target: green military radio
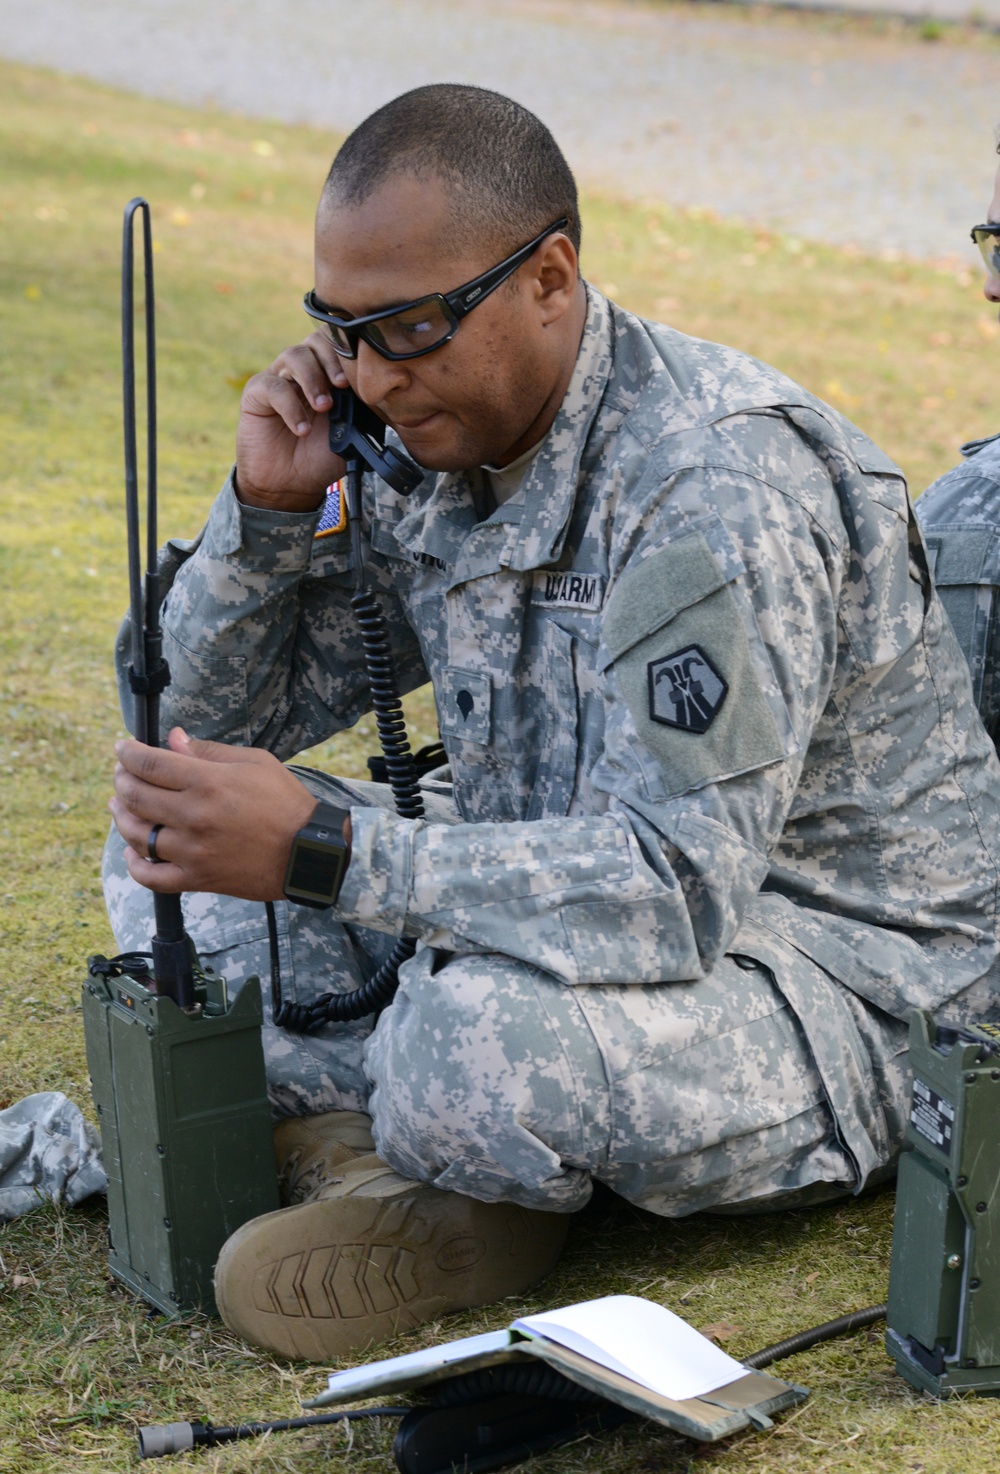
[944,1282]
[185,1127]
[177,1067]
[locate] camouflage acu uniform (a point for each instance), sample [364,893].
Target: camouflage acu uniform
[960,517]
[723,808]
[48,1153]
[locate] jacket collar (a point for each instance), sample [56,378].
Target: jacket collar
[551,482]
[530,534]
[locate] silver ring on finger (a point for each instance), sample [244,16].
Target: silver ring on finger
[154,835]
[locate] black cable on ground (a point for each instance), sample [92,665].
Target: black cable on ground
[536,1380]
[803,1340]
[173,1438]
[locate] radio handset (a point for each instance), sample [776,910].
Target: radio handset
[356,432]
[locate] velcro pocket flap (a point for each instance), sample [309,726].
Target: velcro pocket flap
[964,555]
[464,703]
[653,593]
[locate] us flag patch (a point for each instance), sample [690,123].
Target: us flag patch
[334,515]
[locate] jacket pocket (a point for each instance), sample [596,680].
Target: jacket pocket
[208,694]
[965,562]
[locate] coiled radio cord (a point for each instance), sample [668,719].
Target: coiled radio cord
[338,1008]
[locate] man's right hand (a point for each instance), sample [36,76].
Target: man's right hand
[283,458]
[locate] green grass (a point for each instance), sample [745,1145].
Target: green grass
[905,348]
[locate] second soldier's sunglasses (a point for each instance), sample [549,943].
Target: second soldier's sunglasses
[419,327]
[987,238]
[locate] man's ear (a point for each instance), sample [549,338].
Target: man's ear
[554,278]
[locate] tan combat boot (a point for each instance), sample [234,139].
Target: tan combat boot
[312,1150]
[371,1254]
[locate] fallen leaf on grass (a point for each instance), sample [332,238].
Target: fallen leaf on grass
[812,1278]
[720,1330]
[18,1281]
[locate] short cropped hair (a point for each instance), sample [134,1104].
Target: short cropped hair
[505,172]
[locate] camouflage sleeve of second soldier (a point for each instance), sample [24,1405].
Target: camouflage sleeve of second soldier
[262,645]
[718,654]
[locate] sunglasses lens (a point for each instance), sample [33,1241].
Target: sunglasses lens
[344,345]
[414,330]
[989,244]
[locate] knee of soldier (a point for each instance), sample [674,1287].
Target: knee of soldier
[450,1023]
[471,1078]
[430,1056]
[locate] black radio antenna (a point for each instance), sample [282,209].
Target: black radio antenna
[148,673]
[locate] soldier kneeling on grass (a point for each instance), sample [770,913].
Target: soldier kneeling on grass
[960,517]
[718,808]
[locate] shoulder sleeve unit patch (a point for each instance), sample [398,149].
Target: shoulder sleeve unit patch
[689,663]
[685,690]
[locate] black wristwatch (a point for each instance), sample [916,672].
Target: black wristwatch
[318,859]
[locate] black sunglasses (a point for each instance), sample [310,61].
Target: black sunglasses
[419,327]
[987,238]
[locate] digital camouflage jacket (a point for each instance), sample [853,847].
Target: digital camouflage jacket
[960,516]
[694,683]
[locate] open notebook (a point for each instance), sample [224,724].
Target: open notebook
[628,1350]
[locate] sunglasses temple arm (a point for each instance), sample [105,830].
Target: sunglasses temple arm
[497,275]
[488,284]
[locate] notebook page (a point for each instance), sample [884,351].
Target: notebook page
[640,1340]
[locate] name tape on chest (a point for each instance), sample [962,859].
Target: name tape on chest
[568,591]
[333,518]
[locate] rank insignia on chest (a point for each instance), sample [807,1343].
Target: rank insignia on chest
[334,515]
[685,690]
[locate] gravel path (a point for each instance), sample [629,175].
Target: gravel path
[884,141]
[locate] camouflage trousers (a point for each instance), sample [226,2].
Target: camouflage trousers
[766,1084]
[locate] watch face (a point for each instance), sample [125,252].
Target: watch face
[315,872]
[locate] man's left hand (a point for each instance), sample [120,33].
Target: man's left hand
[227,816]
